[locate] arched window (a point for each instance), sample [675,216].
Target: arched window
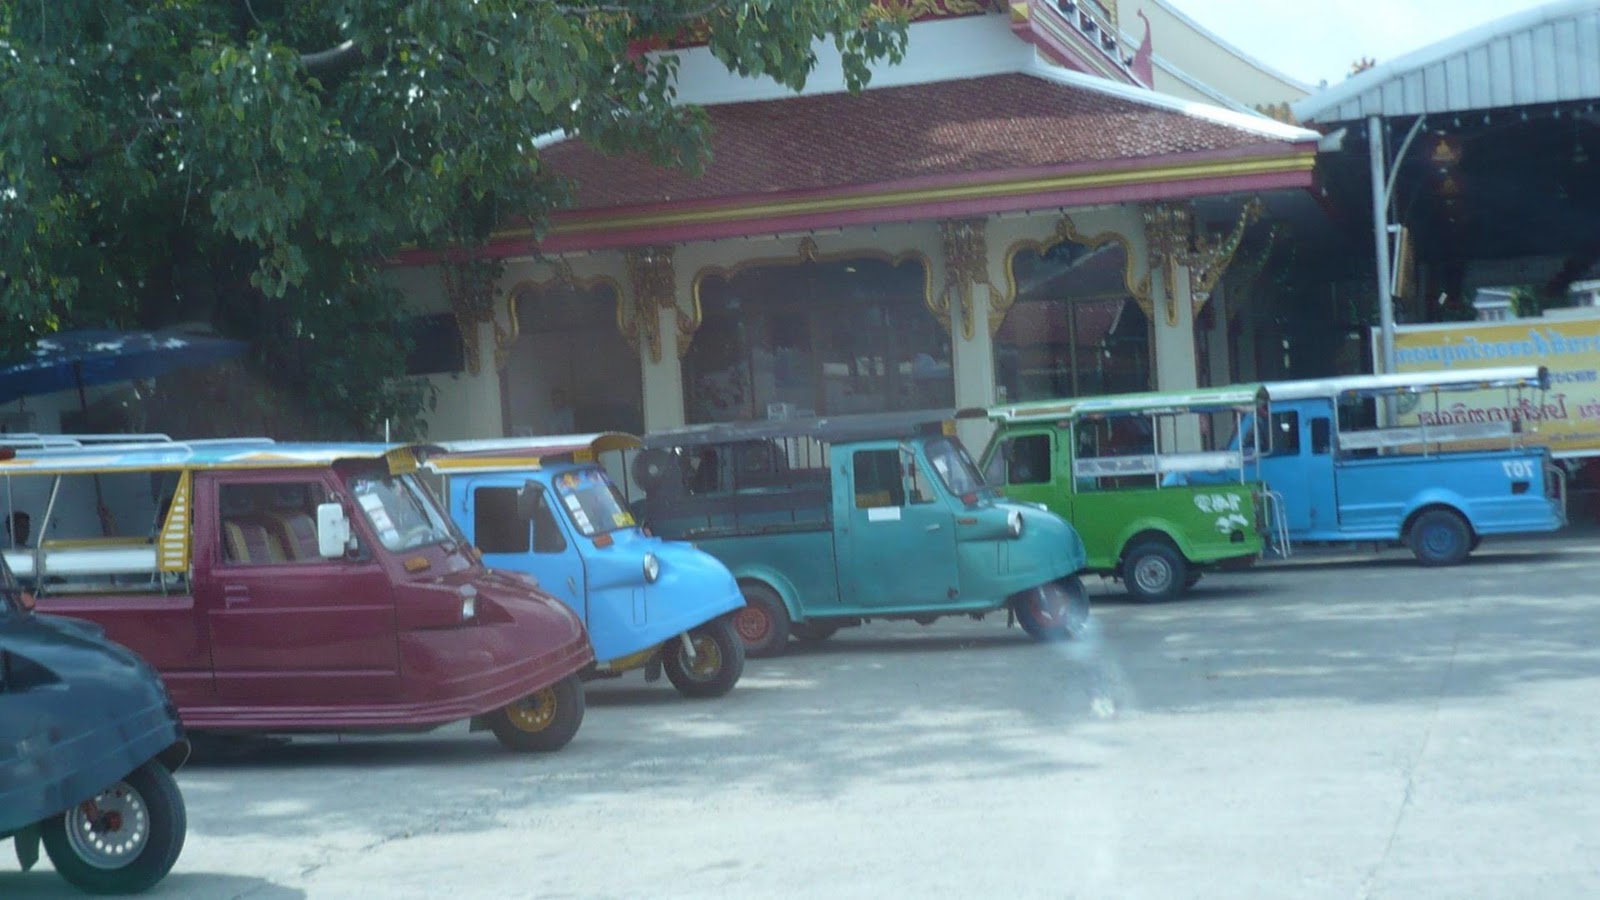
[570,370]
[1073,329]
[816,337]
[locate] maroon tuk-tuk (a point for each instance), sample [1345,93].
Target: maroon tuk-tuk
[291,588]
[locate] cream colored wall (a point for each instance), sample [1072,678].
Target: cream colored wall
[467,405]
[1201,56]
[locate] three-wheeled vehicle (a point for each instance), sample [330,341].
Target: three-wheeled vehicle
[836,521]
[545,506]
[292,588]
[88,743]
[1105,464]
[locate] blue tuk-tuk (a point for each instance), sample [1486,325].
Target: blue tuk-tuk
[547,508]
[88,742]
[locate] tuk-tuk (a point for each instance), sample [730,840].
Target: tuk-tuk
[836,521]
[545,507]
[1107,465]
[291,588]
[88,744]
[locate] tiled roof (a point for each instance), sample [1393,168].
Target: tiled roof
[950,128]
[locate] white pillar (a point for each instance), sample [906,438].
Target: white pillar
[1221,355]
[663,378]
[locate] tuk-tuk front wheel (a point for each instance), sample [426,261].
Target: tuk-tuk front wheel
[542,722]
[124,839]
[763,624]
[1053,611]
[1154,571]
[718,661]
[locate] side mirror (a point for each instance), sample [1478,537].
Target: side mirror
[528,500]
[333,530]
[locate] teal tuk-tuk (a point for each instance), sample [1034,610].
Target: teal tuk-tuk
[836,521]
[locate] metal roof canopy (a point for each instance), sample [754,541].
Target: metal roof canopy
[243,453]
[1549,54]
[512,454]
[1412,383]
[833,429]
[1235,397]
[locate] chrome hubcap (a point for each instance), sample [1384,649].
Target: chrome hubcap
[1152,574]
[111,830]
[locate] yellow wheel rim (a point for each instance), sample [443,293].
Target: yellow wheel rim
[534,712]
[707,658]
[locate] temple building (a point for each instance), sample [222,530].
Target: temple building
[1043,199]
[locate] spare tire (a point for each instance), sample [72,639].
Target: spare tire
[657,471]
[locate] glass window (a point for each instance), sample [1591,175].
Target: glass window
[269,523]
[919,490]
[877,479]
[1073,330]
[547,535]
[819,338]
[497,525]
[954,466]
[400,512]
[552,384]
[1321,435]
[592,502]
[1027,459]
[1286,434]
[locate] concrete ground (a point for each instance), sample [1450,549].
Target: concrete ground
[1336,726]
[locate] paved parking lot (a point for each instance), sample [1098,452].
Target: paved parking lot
[1337,726]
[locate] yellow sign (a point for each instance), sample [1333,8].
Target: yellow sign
[1566,419]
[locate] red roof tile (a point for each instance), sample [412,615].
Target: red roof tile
[990,124]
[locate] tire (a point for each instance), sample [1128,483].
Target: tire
[1154,572]
[1053,611]
[542,722]
[763,624]
[718,663]
[813,632]
[1440,537]
[124,840]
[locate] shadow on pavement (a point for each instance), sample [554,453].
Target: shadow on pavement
[44,884]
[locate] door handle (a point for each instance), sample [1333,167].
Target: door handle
[934,527]
[235,594]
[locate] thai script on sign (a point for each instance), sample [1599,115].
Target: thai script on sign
[1226,506]
[1523,410]
[1540,343]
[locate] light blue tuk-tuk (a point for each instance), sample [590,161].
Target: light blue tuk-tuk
[546,507]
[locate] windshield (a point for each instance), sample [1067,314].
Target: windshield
[592,502]
[400,512]
[955,467]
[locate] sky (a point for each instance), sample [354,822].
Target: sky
[1312,40]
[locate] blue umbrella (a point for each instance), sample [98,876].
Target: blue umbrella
[71,360]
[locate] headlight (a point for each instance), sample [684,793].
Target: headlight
[652,568]
[1014,523]
[469,603]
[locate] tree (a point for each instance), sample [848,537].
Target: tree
[252,162]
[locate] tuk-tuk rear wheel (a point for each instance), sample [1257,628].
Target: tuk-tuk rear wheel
[763,624]
[718,661]
[542,722]
[124,839]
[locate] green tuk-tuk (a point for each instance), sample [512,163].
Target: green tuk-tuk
[1113,466]
[833,522]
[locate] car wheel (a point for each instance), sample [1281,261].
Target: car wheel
[718,661]
[1053,611]
[124,839]
[542,722]
[1154,571]
[763,624]
[1440,537]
